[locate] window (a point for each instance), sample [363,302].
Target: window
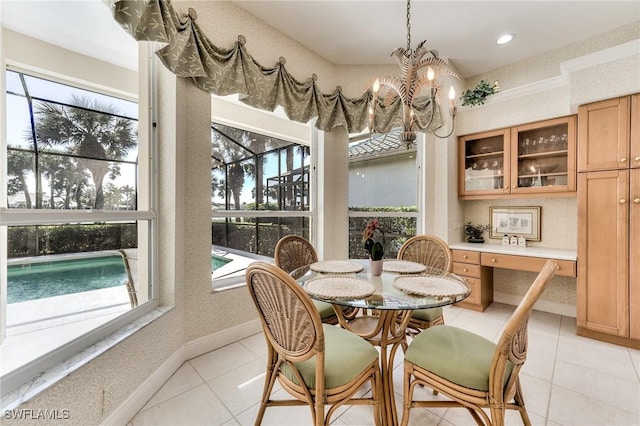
[383,184]
[75,224]
[260,192]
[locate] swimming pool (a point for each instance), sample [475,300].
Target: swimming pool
[38,280]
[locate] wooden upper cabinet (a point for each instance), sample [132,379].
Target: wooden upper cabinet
[483,163]
[543,156]
[535,158]
[603,135]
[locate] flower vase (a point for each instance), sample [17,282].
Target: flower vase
[376,268]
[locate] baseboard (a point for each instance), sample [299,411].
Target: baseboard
[225,337]
[541,305]
[123,414]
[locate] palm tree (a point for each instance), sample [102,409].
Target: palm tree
[92,131]
[19,164]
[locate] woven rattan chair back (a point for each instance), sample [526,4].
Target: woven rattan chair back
[432,252]
[428,250]
[130,259]
[293,252]
[290,320]
[513,344]
[510,353]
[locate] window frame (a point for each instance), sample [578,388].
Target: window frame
[76,349]
[228,283]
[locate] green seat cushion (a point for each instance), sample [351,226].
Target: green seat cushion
[457,355]
[427,314]
[346,356]
[325,309]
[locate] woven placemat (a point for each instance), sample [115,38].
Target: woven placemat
[403,267]
[427,285]
[336,267]
[339,288]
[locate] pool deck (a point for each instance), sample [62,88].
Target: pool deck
[35,327]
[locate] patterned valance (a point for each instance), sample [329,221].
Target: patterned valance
[189,53]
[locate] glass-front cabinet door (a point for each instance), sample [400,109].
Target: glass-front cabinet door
[543,156]
[484,163]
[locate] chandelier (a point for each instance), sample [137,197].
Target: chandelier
[408,86]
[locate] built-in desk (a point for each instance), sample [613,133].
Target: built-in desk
[475,262]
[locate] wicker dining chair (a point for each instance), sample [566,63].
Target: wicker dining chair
[318,364]
[433,252]
[130,259]
[472,371]
[292,252]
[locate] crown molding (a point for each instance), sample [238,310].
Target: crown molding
[568,67]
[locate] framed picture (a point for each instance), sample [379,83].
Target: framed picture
[524,221]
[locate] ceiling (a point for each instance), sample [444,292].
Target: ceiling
[356,31]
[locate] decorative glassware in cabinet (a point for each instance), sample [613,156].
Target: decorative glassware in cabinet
[543,157]
[484,163]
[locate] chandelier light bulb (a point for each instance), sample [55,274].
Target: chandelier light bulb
[376,85]
[430,74]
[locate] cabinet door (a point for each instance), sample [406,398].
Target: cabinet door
[483,166]
[635,131]
[543,156]
[634,256]
[603,135]
[603,238]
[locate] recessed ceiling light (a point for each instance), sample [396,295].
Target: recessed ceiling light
[504,39]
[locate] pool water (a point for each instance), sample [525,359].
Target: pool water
[218,262]
[31,281]
[47,279]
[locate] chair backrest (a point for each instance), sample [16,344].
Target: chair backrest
[512,346]
[130,260]
[293,252]
[428,250]
[289,318]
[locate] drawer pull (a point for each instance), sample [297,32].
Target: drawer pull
[465,269]
[623,160]
[636,200]
[464,256]
[622,201]
[493,260]
[637,158]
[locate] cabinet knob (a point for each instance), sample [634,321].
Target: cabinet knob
[514,187]
[636,200]
[622,201]
[464,256]
[637,158]
[465,269]
[493,260]
[506,187]
[623,160]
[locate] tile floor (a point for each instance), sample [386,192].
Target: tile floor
[567,380]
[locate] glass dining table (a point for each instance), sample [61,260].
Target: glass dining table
[378,308]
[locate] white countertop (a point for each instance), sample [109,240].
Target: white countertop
[550,253]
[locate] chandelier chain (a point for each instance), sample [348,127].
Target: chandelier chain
[409,26]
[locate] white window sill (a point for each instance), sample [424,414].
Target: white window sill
[45,379]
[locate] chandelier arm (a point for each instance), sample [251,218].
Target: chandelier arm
[453,126]
[389,126]
[427,125]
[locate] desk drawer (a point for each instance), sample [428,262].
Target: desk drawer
[476,290]
[526,263]
[466,269]
[465,256]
